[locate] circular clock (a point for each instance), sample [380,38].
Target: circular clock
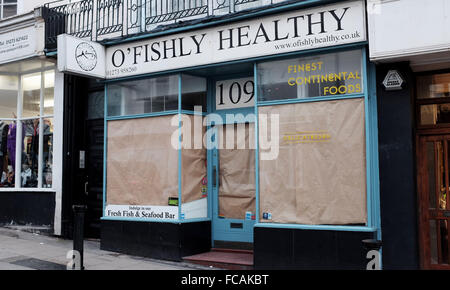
[86,56]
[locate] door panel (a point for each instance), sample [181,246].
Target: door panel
[234,192]
[433,189]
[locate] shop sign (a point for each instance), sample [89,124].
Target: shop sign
[81,57]
[324,26]
[236,93]
[21,43]
[142,212]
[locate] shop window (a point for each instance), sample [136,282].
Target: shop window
[8,8]
[319,176]
[143,96]
[194,183]
[27,128]
[325,75]
[142,164]
[193,92]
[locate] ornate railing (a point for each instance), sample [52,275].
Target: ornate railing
[104,19]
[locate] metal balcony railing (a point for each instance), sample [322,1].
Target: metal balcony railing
[104,19]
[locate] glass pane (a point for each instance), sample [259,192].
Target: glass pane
[434,114]
[193,92]
[47,153]
[31,85]
[9,10]
[9,86]
[320,75]
[143,96]
[443,227]
[431,168]
[433,242]
[433,86]
[96,105]
[441,171]
[6,170]
[49,100]
[30,153]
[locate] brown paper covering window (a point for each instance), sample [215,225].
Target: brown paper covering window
[316,180]
[193,163]
[142,165]
[237,173]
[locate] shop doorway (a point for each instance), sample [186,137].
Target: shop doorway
[433,189]
[234,203]
[233,162]
[83,151]
[93,167]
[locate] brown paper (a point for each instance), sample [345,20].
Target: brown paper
[319,176]
[237,174]
[193,164]
[142,165]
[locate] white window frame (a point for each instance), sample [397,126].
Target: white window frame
[19,138]
[2,5]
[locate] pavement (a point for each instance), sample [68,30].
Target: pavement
[21,250]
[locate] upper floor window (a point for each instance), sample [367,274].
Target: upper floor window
[8,8]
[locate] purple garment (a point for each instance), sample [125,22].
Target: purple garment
[11,140]
[12,144]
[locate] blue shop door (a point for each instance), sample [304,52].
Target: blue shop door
[233,186]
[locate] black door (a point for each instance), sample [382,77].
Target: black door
[94,132]
[83,153]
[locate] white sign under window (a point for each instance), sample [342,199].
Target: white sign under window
[236,93]
[142,212]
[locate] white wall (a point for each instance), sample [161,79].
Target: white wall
[399,28]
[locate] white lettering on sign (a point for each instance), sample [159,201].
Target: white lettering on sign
[236,93]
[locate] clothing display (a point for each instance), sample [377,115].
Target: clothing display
[3,145]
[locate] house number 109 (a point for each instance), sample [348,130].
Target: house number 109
[236,93]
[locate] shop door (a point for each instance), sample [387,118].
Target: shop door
[93,163]
[433,189]
[233,184]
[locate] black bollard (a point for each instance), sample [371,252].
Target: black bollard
[78,231]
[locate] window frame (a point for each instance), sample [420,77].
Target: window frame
[2,5]
[19,138]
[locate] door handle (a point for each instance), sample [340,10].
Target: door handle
[214,176]
[85,187]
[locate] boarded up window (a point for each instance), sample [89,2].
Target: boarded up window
[142,164]
[319,176]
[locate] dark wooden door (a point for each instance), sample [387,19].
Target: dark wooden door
[433,156]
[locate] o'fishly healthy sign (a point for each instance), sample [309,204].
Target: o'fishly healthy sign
[319,27]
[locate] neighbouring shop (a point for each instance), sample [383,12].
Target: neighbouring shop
[258,134]
[29,168]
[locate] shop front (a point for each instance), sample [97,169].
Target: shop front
[413,79]
[29,154]
[258,134]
